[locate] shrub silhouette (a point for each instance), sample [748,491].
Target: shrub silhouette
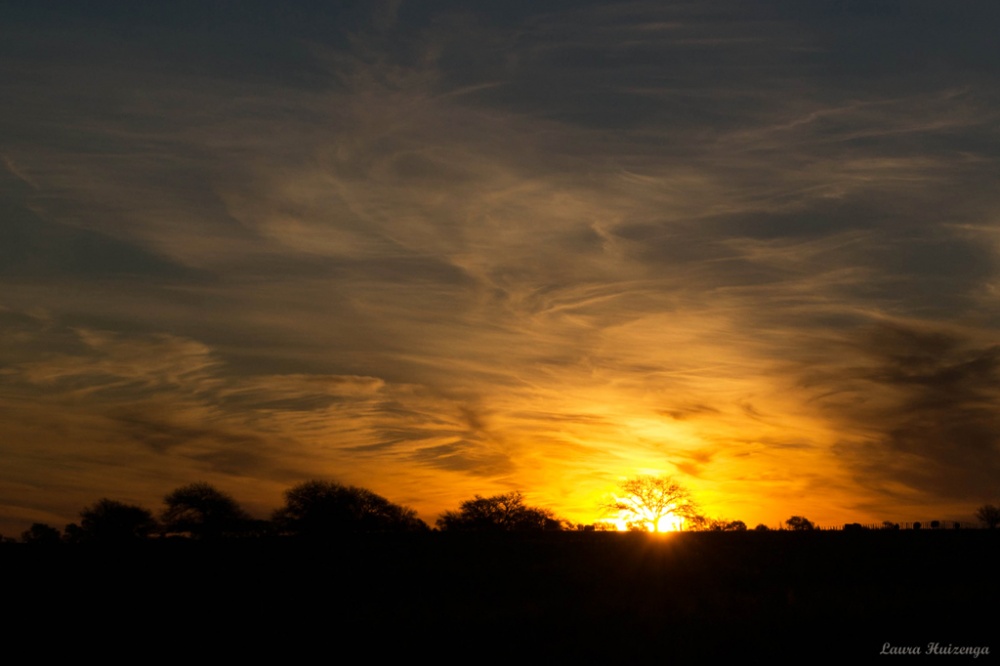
[800,524]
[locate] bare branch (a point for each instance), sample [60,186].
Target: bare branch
[648,499]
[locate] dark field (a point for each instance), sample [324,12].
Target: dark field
[600,597]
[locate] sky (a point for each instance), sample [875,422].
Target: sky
[439,249]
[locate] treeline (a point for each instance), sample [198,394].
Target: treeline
[323,510]
[313,510]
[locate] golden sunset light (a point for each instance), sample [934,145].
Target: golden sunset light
[441,250]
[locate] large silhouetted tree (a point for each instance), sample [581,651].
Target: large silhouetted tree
[109,520]
[498,513]
[988,515]
[324,509]
[648,500]
[203,512]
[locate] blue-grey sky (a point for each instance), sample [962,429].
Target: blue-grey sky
[445,248]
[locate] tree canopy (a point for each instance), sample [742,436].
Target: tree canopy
[506,512]
[800,524]
[323,509]
[204,512]
[110,520]
[651,501]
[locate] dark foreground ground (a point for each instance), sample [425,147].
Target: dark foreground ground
[592,597]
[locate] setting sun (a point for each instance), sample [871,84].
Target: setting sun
[653,503]
[667,523]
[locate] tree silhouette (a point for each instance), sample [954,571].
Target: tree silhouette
[109,520]
[73,533]
[499,513]
[988,515]
[40,533]
[699,523]
[648,500]
[800,524]
[203,512]
[323,509]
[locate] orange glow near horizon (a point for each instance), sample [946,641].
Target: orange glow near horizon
[668,523]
